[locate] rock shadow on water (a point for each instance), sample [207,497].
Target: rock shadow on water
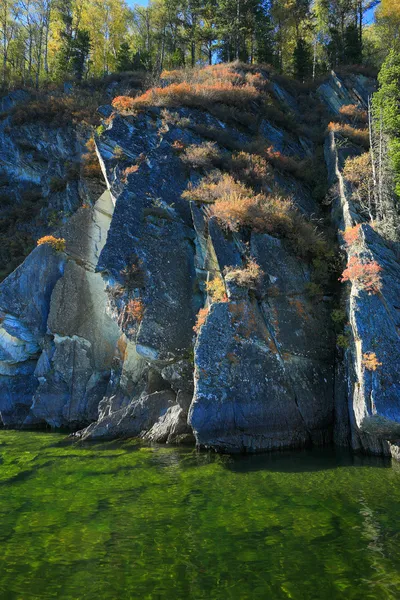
[305,461]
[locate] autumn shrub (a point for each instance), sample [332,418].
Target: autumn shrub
[178,146]
[187,94]
[252,169]
[351,234]
[358,171]
[58,244]
[359,137]
[215,185]
[370,361]
[248,276]
[237,206]
[216,289]
[134,311]
[298,168]
[364,274]
[202,156]
[129,171]
[90,162]
[354,113]
[201,319]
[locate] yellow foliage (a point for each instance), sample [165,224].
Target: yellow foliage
[370,361]
[56,243]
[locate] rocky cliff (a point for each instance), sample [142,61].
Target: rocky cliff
[165,319]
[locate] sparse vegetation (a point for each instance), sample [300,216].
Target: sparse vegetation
[359,137]
[216,289]
[202,156]
[201,319]
[58,244]
[370,361]
[249,276]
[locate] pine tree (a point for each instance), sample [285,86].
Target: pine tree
[124,58]
[302,60]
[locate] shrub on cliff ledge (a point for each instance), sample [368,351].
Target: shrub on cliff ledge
[201,319]
[249,276]
[365,274]
[202,156]
[359,137]
[56,243]
[188,94]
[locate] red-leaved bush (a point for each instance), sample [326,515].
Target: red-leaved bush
[365,274]
[350,234]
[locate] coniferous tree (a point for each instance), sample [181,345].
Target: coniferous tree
[124,58]
[302,60]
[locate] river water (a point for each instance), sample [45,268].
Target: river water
[116,521]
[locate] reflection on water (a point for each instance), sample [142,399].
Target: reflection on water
[120,520]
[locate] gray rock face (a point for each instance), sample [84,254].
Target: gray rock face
[264,370]
[56,336]
[24,308]
[100,339]
[367,399]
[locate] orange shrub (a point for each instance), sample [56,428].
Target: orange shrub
[56,243]
[359,137]
[91,166]
[134,311]
[128,171]
[272,214]
[365,274]
[187,94]
[201,319]
[352,111]
[254,170]
[123,103]
[350,234]
[370,361]
[295,167]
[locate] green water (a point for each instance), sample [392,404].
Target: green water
[119,521]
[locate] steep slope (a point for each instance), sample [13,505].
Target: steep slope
[371,390]
[209,316]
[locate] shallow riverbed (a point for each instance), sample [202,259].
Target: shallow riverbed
[115,521]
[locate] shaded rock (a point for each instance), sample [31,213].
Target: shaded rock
[138,417]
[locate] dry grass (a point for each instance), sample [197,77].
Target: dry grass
[202,156]
[249,276]
[212,187]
